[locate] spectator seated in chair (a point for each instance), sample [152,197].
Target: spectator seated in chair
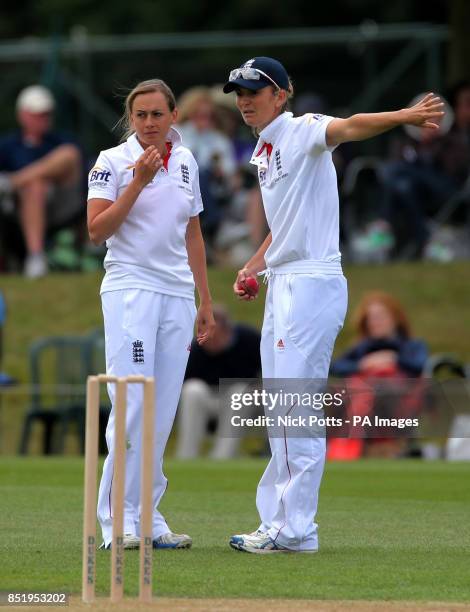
[40,174]
[385,351]
[424,171]
[232,352]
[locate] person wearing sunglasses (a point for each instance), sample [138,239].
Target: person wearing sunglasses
[307,293]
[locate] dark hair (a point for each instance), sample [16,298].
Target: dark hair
[150,86]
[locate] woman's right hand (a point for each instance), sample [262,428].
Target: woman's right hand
[242,275]
[147,166]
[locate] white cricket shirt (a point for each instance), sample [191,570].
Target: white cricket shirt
[299,188]
[148,251]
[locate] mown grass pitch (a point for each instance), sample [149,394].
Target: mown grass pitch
[397,530]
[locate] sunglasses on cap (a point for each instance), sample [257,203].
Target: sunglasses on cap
[250,74]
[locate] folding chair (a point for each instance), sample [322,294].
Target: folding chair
[66,359]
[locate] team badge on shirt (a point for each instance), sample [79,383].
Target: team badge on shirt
[280,345]
[185,179]
[185,173]
[277,159]
[138,351]
[281,174]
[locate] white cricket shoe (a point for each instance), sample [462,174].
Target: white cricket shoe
[173,540]
[257,542]
[256,532]
[129,541]
[261,543]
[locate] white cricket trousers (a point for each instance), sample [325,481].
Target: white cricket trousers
[146,333]
[303,314]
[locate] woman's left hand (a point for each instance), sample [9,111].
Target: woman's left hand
[205,323]
[426,113]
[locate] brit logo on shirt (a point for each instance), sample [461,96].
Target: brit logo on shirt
[277,159]
[185,173]
[138,351]
[99,174]
[98,178]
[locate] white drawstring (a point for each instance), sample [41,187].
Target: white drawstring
[266,274]
[307,266]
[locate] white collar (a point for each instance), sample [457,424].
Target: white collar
[268,135]
[136,148]
[271,131]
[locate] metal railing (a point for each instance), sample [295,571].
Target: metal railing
[68,61]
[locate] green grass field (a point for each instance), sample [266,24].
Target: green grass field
[435,296]
[389,531]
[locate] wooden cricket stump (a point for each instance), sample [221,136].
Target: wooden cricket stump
[118,488]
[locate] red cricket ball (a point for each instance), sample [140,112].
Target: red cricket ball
[250,285]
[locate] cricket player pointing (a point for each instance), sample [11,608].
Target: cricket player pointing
[144,200]
[307,293]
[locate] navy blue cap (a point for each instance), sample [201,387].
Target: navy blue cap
[274,71]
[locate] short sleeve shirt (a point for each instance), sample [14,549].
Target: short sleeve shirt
[299,188]
[148,251]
